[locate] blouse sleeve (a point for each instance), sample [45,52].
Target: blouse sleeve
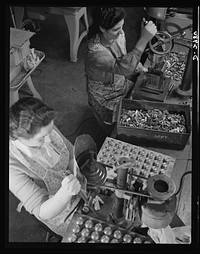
[25,189]
[124,65]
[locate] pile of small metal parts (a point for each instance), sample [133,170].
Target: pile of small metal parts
[85,229]
[147,162]
[153,119]
[175,65]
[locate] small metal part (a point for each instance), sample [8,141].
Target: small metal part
[85,209]
[88,224]
[85,232]
[76,229]
[127,238]
[107,230]
[80,221]
[95,235]
[137,240]
[81,240]
[117,234]
[114,240]
[72,238]
[105,239]
[98,227]
[147,242]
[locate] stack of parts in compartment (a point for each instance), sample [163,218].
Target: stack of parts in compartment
[147,163]
[86,229]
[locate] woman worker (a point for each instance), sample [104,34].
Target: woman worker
[107,64]
[39,156]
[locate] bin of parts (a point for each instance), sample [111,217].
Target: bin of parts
[154,124]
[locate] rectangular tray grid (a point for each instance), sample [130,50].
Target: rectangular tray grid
[78,237]
[147,162]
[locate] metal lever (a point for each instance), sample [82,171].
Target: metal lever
[124,191]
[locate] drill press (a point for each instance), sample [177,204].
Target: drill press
[153,85]
[157,82]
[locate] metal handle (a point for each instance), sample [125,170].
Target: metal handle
[163,44]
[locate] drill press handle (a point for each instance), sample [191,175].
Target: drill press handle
[161,43]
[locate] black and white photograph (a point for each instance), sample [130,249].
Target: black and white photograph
[103,115]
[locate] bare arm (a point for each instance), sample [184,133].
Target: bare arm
[33,193]
[147,34]
[54,205]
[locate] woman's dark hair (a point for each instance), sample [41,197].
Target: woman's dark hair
[106,17]
[27,116]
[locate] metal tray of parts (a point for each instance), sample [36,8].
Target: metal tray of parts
[86,229]
[153,138]
[147,162]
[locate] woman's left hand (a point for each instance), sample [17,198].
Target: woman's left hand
[140,68]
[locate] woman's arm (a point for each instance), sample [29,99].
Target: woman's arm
[126,64]
[34,195]
[55,205]
[147,34]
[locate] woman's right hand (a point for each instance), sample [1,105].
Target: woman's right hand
[71,184]
[149,31]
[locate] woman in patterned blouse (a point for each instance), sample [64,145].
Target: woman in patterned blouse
[39,156]
[108,66]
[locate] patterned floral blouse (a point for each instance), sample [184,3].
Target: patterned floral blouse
[33,181]
[107,69]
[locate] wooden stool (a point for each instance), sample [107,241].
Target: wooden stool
[73,17]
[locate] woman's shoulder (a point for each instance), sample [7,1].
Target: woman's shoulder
[94,44]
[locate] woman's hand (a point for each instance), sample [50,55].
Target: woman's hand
[149,31]
[140,68]
[71,184]
[56,203]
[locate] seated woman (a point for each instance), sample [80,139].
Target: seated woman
[39,156]
[107,64]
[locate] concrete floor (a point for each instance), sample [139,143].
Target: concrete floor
[62,85]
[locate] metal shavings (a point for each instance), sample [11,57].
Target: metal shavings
[175,65]
[154,119]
